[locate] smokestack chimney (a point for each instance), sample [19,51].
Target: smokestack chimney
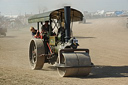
[67,11]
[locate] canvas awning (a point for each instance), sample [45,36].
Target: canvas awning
[56,14]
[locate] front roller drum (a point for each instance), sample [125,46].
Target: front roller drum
[35,50]
[74,64]
[76,71]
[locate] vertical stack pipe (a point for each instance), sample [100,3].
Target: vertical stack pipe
[67,11]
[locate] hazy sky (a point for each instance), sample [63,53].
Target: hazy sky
[33,6]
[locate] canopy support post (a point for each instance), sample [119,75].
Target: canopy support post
[38,26]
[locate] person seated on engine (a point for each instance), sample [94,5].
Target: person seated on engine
[45,28]
[35,33]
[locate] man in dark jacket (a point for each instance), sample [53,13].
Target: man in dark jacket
[45,27]
[35,33]
[33,30]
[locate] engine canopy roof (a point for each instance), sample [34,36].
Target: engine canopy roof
[56,14]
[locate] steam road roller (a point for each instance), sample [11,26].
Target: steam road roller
[56,45]
[3,31]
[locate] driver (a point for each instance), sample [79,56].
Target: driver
[45,27]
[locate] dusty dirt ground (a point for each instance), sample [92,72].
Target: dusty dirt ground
[106,38]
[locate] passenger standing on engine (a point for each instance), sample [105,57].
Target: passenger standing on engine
[61,32]
[45,31]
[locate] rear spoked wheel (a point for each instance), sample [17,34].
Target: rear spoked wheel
[35,50]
